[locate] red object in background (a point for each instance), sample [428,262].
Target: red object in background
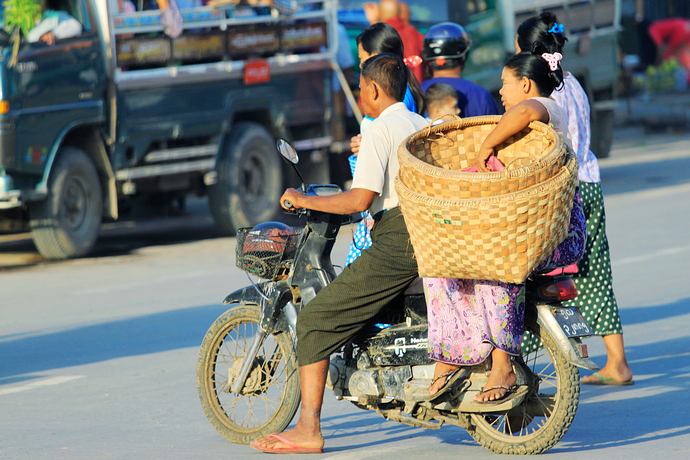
[256,71]
[673,33]
[413,41]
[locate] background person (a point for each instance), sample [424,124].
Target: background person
[55,24]
[445,50]
[595,297]
[397,15]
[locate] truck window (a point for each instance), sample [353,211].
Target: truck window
[479,6]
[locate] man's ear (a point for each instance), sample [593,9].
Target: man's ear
[376,90]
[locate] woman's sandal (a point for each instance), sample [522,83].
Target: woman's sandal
[451,377]
[509,391]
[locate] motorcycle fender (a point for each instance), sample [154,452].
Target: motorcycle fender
[286,321]
[547,320]
[247,294]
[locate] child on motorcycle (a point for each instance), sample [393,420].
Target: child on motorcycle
[376,39]
[470,320]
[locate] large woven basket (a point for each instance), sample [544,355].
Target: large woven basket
[432,159]
[501,238]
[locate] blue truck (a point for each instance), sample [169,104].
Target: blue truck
[121,117]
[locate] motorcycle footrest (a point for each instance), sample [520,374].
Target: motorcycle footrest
[469,405]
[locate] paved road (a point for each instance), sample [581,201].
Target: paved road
[97,355]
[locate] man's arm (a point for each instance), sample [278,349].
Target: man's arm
[350,202]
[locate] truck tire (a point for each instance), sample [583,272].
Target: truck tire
[602,132]
[250,179]
[66,224]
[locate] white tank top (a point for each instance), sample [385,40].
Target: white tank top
[558,118]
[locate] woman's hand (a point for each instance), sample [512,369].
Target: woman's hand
[485,152]
[355,142]
[294,197]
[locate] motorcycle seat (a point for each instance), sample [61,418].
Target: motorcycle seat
[416,287]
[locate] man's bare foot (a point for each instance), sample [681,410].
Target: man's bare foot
[441,372]
[296,437]
[501,378]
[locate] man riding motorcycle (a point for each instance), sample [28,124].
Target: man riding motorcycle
[383,272]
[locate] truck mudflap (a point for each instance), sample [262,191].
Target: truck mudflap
[571,346]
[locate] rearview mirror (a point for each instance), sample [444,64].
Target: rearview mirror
[287,151]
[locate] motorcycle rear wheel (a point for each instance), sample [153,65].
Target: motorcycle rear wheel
[544,417]
[272,387]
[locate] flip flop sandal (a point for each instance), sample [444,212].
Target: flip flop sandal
[509,391]
[451,377]
[601,381]
[291,447]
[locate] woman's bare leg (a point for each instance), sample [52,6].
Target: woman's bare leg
[502,377]
[616,366]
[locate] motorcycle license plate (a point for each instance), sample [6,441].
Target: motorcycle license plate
[572,322]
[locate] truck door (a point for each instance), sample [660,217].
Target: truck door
[57,86]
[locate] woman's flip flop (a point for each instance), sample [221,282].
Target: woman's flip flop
[289,446]
[509,391]
[451,377]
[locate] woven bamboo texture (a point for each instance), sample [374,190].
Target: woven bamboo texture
[432,160]
[500,238]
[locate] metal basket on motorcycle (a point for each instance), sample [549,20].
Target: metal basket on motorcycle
[432,160]
[267,249]
[505,228]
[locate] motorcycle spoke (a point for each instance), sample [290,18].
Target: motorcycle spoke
[249,410]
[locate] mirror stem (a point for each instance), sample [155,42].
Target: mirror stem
[304,187]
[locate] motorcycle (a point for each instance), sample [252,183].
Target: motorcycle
[247,373]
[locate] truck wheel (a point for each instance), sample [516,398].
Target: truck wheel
[250,179]
[67,222]
[602,133]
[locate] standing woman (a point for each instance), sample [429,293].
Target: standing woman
[595,299]
[377,39]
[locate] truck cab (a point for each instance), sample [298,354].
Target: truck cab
[124,116]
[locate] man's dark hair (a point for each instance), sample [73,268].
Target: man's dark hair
[438,93]
[389,72]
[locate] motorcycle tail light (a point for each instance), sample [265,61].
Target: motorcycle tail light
[559,290]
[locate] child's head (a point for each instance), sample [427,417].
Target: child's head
[540,34]
[441,99]
[527,75]
[382,82]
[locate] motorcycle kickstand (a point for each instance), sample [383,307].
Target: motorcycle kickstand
[239,382]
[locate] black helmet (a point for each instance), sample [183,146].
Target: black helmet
[446,40]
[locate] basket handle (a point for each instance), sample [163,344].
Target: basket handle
[442,118]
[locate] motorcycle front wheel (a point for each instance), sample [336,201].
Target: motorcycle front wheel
[270,396]
[546,414]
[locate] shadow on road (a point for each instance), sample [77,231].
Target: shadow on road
[100,342]
[654,408]
[644,176]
